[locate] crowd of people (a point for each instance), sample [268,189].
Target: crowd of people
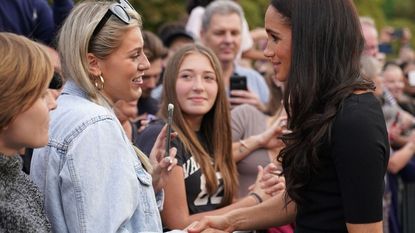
[309,131]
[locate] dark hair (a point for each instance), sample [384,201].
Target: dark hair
[191,4]
[326,46]
[153,46]
[171,31]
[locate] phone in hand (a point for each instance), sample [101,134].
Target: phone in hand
[238,83]
[170,109]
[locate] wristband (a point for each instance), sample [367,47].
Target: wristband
[257,197]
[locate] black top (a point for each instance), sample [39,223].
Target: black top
[198,200]
[348,187]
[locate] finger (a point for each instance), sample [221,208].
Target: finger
[172,164]
[197,227]
[260,173]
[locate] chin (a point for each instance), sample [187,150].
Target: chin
[40,143]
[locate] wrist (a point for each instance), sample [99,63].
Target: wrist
[257,197]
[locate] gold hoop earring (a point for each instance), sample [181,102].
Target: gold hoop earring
[99,82]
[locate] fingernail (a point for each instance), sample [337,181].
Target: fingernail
[168,159]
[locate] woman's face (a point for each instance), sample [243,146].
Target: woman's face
[196,85]
[394,82]
[125,110]
[278,49]
[30,128]
[123,69]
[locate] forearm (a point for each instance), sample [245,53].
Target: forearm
[244,147]
[270,213]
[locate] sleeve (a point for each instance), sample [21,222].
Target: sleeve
[99,176]
[61,9]
[237,123]
[44,24]
[361,152]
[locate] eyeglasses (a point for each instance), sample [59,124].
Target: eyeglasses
[119,9]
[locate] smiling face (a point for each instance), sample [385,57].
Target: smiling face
[223,36]
[278,49]
[394,81]
[196,86]
[123,69]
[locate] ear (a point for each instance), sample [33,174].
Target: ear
[93,64]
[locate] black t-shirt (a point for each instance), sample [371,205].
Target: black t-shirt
[350,184]
[198,200]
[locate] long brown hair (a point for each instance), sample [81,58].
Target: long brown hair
[215,125]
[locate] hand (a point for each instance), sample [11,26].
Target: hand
[218,223]
[162,165]
[246,97]
[257,186]
[269,138]
[144,120]
[272,181]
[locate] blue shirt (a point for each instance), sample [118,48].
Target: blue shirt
[34,19]
[89,173]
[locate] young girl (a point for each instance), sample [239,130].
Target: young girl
[205,180]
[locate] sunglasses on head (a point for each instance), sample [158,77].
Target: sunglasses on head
[119,9]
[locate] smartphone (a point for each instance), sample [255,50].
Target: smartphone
[170,109]
[238,83]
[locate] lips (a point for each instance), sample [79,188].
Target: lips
[138,80]
[197,99]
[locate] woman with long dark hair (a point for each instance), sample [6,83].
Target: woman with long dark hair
[335,158]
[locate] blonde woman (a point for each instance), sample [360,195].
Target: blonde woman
[90,173]
[25,72]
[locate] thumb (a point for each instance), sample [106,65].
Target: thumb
[260,173]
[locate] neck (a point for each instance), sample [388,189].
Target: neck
[127,128]
[194,122]
[5,148]
[7,152]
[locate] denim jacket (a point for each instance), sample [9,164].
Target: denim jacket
[89,174]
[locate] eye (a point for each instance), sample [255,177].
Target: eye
[185,76]
[210,77]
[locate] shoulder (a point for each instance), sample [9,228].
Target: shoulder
[245,111]
[75,114]
[360,120]
[360,109]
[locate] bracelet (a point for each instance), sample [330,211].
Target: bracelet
[243,146]
[257,197]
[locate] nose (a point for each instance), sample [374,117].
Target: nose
[51,100]
[198,83]
[228,37]
[268,52]
[144,64]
